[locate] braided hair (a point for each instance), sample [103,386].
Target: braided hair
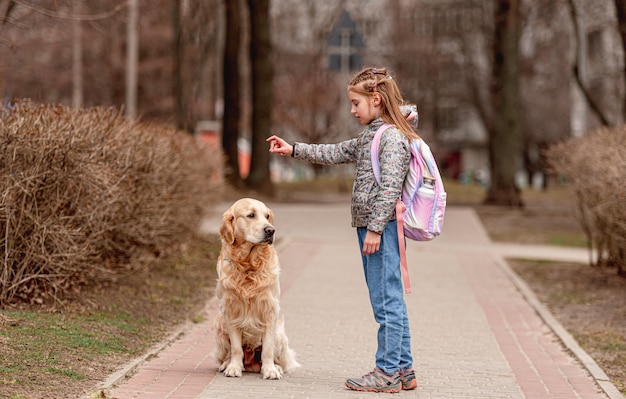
[378,80]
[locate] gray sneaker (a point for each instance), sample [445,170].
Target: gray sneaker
[407,377]
[376,381]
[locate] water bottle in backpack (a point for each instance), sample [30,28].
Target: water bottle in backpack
[428,188]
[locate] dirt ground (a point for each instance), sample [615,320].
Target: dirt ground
[589,302]
[65,349]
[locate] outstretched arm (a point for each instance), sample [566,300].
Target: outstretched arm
[279,146]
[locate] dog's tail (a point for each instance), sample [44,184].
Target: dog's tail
[286,357]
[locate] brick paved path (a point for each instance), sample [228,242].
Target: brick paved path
[474,335]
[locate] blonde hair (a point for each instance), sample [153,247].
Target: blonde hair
[377,80]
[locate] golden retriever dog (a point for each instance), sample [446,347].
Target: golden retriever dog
[250,330]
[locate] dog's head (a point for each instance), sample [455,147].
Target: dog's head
[248,220]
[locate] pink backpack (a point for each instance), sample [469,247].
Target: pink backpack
[422,206]
[425,204]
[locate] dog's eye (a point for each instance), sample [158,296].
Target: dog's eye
[267,216]
[251,215]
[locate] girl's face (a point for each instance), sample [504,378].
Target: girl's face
[364,108]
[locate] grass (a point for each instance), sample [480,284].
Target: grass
[567,239]
[54,351]
[44,350]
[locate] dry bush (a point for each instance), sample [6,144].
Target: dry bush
[595,165]
[84,191]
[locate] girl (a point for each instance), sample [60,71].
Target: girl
[375,100]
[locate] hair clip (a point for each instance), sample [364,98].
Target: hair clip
[374,71]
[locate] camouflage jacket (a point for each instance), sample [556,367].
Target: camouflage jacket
[373,205]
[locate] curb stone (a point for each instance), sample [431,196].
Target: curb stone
[130,368]
[565,337]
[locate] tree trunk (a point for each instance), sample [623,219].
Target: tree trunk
[132,58]
[262,95]
[577,67]
[505,137]
[232,106]
[620,7]
[178,61]
[77,57]
[5,9]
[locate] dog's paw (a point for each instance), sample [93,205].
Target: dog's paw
[233,370]
[271,372]
[224,365]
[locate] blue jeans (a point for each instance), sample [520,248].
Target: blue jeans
[384,282]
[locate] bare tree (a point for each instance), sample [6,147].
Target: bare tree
[36,48]
[620,7]
[262,71]
[206,37]
[77,57]
[132,58]
[232,98]
[505,137]
[5,9]
[308,104]
[195,56]
[547,107]
[178,52]
[421,74]
[578,75]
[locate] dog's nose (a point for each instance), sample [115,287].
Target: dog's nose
[269,231]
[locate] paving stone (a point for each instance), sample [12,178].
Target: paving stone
[474,335]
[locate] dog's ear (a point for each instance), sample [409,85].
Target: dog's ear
[227,229]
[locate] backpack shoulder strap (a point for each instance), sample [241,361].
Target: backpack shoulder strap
[429,160]
[374,150]
[427,168]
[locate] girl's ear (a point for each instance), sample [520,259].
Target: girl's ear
[376,99]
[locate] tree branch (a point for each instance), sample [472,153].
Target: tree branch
[595,107]
[58,15]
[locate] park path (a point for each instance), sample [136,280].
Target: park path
[477,330]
